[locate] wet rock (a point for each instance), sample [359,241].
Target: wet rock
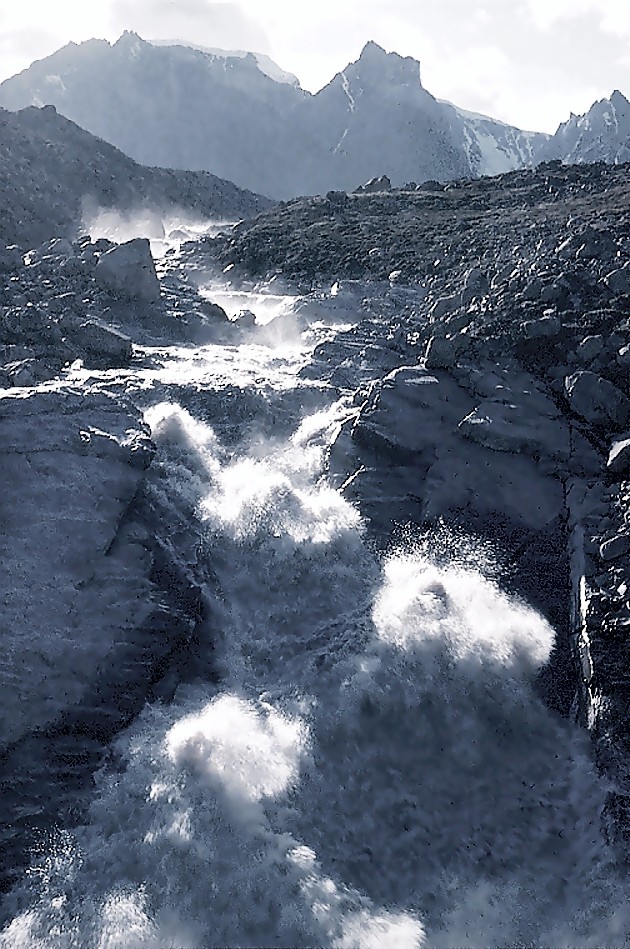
[546,326]
[245,319]
[129,271]
[57,530]
[28,372]
[213,311]
[616,547]
[107,344]
[590,348]
[598,401]
[618,281]
[619,457]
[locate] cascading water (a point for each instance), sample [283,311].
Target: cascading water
[375,767]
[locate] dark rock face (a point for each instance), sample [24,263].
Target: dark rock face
[497,398]
[129,270]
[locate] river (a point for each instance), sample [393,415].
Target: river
[374,767]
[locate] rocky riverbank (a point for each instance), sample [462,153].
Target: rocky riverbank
[489,369]
[492,388]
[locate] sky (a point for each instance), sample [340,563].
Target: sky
[527,62]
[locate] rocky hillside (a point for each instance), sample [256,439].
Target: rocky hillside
[492,384]
[52,172]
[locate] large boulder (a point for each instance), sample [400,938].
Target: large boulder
[107,344]
[619,457]
[71,464]
[509,426]
[597,401]
[128,270]
[375,186]
[618,281]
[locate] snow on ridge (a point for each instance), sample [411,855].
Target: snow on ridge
[265,63]
[481,117]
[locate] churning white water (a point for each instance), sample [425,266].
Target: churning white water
[374,769]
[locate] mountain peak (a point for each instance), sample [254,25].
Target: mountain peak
[129,41]
[618,99]
[372,49]
[376,62]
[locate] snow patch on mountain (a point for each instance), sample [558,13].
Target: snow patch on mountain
[265,63]
[493,147]
[601,134]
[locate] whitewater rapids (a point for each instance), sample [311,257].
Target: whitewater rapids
[375,768]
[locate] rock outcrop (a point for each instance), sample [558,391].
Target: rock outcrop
[128,270]
[102,605]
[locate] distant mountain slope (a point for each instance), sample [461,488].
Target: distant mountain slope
[375,117]
[493,147]
[240,116]
[51,171]
[173,106]
[265,63]
[601,134]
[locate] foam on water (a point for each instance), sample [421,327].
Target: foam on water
[375,768]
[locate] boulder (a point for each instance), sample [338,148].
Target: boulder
[590,348]
[115,348]
[375,185]
[597,401]
[618,281]
[28,372]
[442,352]
[445,305]
[546,326]
[410,411]
[619,457]
[245,319]
[509,427]
[214,311]
[10,259]
[476,285]
[128,270]
[71,463]
[617,546]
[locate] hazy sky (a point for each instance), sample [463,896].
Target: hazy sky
[529,62]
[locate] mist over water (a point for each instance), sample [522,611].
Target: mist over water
[374,768]
[164,231]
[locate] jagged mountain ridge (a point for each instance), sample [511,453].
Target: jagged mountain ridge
[183,106]
[601,134]
[51,171]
